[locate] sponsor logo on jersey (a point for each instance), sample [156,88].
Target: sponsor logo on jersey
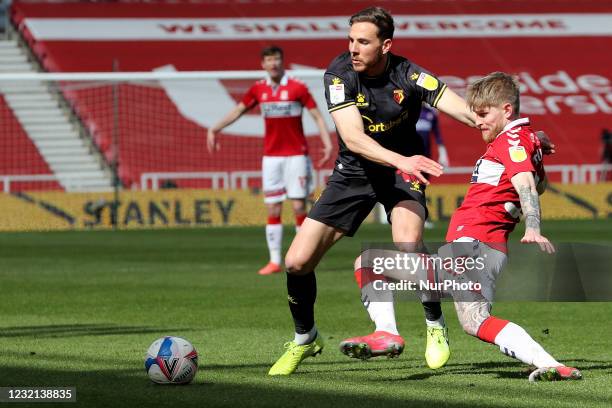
[336,93]
[336,81]
[360,101]
[398,95]
[487,172]
[414,76]
[517,154]
[367,118]
[385,126]
[427,81]
[281,109]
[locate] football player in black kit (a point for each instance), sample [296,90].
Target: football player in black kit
[374,98]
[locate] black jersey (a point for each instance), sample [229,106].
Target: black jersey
[389,104]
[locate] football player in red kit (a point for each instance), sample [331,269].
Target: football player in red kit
[286,167]
[506,181]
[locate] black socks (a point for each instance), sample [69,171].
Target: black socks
[302,293]
[433,310]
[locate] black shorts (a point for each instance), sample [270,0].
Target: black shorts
[347,200]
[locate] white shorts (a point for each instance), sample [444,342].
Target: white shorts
[286,177]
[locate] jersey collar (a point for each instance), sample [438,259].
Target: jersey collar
[283,80]
[513,124]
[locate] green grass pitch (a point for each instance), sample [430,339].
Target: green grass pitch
[80,309]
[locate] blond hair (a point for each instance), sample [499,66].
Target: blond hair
[495,89]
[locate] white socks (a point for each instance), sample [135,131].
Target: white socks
[274,237]
[440,323]
[515,342]
[383,316]
[306,338]
[382,313]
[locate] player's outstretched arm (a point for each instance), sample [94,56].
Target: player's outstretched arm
[350,126]
[456,107]
[324,134]
[211,143]
[524,183]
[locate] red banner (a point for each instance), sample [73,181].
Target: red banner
[560,50]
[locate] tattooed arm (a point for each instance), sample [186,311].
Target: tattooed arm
[524,184]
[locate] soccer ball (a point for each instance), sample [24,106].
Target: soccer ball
[171,360]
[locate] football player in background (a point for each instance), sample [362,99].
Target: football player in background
[286,167]
[427,126]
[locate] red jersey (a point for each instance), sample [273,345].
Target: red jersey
[491,207]
[281,108]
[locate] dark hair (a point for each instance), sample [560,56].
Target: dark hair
[378,16]
[493,90]
[272,50]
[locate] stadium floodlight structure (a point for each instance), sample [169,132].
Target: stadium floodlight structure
[143,130]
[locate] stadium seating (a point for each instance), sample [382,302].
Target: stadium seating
[19,156]
[167,141]
[48,122]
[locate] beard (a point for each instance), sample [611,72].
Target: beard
[370,66]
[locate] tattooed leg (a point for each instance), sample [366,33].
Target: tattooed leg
[471,315]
